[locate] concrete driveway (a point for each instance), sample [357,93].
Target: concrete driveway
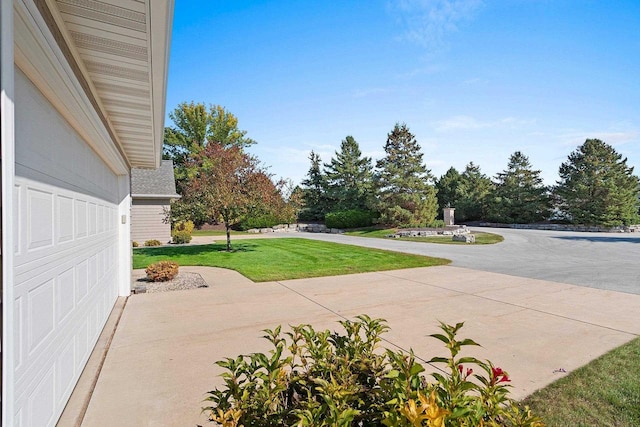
[597,260]
[160,363]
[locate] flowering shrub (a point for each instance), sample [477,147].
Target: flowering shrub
[153,242]
[162,271]
[341,380]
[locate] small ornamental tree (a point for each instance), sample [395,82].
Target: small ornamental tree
[597,187]
[228,184]
[349,178]
[519,195]
[405,195]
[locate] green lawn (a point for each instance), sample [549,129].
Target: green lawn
[606,392]
[264,260]
[481,238]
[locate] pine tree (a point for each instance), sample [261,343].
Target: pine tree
[405,196]
[519,195]
[597,187]
[474,189]
[314,192]
[449,189]
[349,178]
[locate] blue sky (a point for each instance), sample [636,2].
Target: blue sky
[473,80]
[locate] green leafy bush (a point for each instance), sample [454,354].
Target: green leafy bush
[134,244]
[162,271]
[341,380]
[259,221]
[349,219]
[180,237]
[153,242]
[181,232]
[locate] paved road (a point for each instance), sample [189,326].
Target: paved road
[598,260]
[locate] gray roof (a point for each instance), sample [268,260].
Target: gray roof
[154,183]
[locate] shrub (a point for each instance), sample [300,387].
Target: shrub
[181,232]
[162,271]
[259,221]
[436,223]
[348,219]
[135,244]
[328,378]
[181,237]
[153,242]
[187,226]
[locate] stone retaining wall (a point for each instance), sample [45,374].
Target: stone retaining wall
[294,228]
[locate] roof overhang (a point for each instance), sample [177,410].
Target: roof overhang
[156,196]
[118,50]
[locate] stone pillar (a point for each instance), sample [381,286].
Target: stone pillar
[448,216]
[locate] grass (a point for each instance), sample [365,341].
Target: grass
[481,238]
[264,260]
[606,392]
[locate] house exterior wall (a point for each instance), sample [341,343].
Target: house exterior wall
[147,220]
[66,240]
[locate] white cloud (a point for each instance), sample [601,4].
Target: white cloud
[428,22]
[467,123]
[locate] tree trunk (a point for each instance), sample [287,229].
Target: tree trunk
[228,227]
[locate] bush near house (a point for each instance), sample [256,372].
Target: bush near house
[162,271]
[329,378]
[352,218]
[135,244]
[182,231]
[153,242]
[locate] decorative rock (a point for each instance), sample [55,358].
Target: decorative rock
[467,238]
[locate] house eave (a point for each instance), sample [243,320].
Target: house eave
[119,53]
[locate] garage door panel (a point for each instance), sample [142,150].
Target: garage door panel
[66,273]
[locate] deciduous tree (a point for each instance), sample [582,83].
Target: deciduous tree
[194,125]
[228,184]
[519,195]
[596,186]
[405,194]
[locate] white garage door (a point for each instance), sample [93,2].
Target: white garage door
[66,263]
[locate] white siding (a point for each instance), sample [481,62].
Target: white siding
[147,220]
[66,255]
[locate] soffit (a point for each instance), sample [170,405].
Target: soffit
[122,48]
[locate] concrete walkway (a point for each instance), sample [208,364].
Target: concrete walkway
[161,361]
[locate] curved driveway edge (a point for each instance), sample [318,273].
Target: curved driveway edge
[160,364]
[597,260]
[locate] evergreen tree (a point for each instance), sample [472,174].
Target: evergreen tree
[405,196]
[314,192]
[474,189]
[597,187]
[349,178]
[449,189]
[519,195]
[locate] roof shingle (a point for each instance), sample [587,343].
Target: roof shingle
[154,182]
